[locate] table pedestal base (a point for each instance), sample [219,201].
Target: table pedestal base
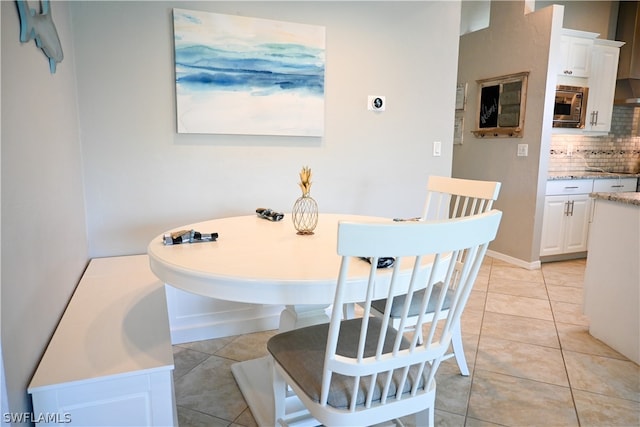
[254,379]
[299,316]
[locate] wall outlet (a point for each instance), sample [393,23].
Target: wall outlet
[437,148]
[523,150]
[570,150]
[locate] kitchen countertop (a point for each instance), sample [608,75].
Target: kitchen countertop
[590,175]
[626,198]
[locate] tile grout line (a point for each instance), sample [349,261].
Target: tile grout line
[472,372]
[564,361]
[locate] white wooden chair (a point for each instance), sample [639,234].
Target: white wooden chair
[455,197]
[362,371]
[446,198]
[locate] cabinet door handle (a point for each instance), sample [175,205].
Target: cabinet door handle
[617,186]
[596,113]
[566,209]
[571,208]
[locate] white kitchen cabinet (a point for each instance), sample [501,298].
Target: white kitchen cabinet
[588,61]
[615,185]
[602,84]
[565,226]
[565,223]
[576,54]
[568,210]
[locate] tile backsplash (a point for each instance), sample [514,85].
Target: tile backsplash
[619,151]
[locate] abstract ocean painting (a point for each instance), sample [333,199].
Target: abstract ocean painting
[248,76]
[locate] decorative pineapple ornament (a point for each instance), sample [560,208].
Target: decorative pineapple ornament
[305,209]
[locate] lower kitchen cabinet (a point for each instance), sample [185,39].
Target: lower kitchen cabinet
[568,210]
[615,185]
[565,227]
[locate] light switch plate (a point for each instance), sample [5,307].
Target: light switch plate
[437,148]
[523,150]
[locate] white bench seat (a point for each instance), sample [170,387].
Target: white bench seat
[110,360]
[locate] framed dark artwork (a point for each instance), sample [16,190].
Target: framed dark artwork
[501,106]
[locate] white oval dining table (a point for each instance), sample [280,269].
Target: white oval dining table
[255,260]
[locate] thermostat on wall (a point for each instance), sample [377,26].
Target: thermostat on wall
[376,103]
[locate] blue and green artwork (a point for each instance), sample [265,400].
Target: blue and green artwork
[239,75]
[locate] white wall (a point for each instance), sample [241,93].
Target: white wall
[107,118]
[142,178]
[44,248]
[590,15]
[486,54]
[474,15]
[4,401]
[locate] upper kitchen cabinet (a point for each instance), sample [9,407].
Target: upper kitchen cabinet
[602,85]
[587,61]
[575,50]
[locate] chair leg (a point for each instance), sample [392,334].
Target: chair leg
[279,397]
[458,350]
[425,417]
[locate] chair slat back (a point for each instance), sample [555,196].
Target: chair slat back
[388,366]
[455,197]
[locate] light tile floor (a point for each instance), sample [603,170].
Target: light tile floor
[527,344]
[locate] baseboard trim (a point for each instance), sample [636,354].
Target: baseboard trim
[515,261]
[563,257]
[213,330]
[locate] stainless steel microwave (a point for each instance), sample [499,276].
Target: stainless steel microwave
[570,107]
